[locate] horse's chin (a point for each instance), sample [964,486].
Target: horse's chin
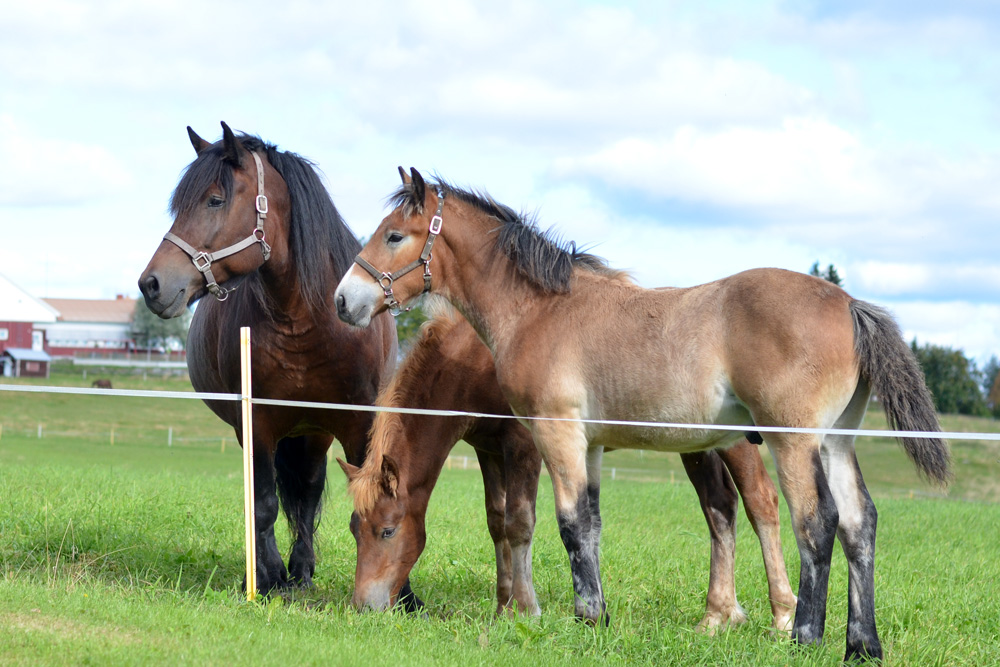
[175,308]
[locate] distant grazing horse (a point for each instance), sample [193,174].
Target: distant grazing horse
[762,349]
[449,368]
[101,384]
[255,227]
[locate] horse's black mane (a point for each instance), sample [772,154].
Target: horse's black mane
[543,259]
[321,245]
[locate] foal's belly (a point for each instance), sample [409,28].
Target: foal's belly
[723,410]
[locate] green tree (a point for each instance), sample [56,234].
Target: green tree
[991,384]
[952,378]
[408,324]
[829,275]
[150,330]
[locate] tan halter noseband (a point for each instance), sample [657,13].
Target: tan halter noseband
[385,279]
[203,260]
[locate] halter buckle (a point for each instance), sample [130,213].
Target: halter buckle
[435,227]
[202,257]
[261,204]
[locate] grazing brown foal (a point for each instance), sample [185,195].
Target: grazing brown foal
[448,368]
[787,355]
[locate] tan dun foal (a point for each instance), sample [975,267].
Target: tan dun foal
[761,349]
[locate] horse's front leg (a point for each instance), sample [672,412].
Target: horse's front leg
[271,572]
[563,446]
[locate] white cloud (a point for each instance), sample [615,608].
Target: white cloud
[806,167]
[36,171]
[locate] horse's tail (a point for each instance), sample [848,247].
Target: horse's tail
[888,364]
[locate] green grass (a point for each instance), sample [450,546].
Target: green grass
[132,553]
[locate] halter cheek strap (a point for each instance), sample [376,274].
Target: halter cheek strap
[203,260]
[385,279]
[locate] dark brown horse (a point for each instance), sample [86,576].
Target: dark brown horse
[764,350]
[449,368]
[256,227]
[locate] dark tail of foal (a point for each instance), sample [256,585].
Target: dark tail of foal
[895,377]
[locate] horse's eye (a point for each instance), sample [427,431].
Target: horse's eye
[388,532]
[215,201]
[394,237]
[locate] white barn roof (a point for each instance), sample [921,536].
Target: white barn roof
[16,305]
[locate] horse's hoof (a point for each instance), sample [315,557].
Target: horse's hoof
[721,620]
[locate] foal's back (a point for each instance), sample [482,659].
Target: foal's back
[723,352]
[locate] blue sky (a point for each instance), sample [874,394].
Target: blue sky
[684,141]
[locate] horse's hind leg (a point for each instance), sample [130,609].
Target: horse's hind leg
[719,503]
[858,519]
[814,519]
[300,464]
[760,499]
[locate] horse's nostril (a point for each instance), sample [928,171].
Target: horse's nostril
[341,303]
[150,287]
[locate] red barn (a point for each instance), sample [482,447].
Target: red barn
[22,318]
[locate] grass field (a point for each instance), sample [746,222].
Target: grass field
[132,553]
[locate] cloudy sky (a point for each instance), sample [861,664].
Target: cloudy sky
[684,141]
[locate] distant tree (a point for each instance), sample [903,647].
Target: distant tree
[408,324]
[829,275]
[952,378]
[149,330]
[991,384]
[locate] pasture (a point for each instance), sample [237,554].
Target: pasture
[132,552]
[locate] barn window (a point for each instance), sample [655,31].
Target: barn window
[4,334]
[32,367]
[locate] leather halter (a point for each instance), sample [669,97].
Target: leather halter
[385,279]
[203,260]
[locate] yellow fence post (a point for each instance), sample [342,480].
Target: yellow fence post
[248,499]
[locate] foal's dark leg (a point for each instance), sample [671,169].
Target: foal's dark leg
[271,571]
[581,535]
[858,520]
[300,464]
[719,503]
[815,519]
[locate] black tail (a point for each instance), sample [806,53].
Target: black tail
[895,377]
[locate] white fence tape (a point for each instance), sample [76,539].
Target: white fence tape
[137,393]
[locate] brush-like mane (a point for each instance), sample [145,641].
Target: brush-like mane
[542,258]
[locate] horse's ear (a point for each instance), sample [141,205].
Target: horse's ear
[403,175]
[196,141]
[390,476]
[349,470]
[419,189]
[232,151]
